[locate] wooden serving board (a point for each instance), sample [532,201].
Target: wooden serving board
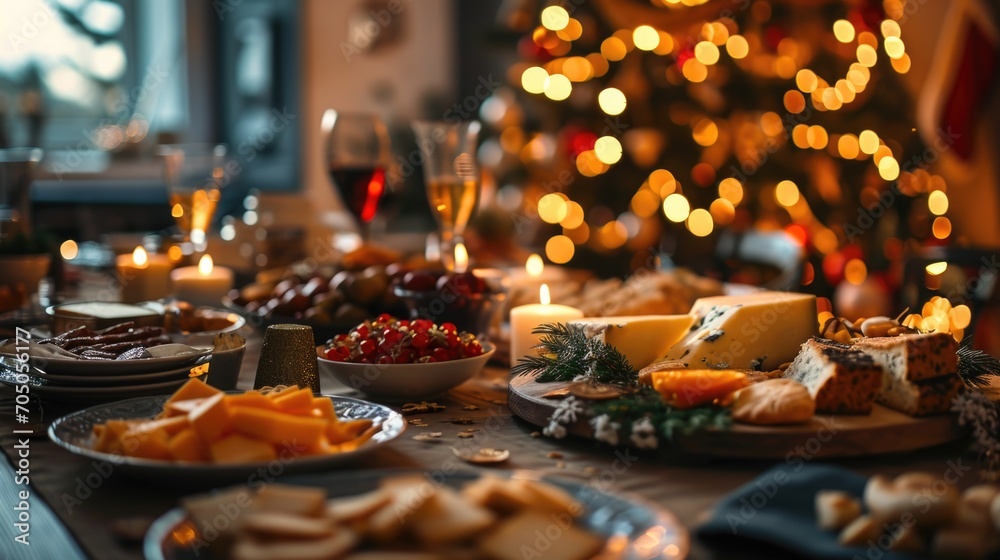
[825,436]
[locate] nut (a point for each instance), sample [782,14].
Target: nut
[878,326]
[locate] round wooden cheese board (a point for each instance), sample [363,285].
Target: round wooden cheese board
[825,436]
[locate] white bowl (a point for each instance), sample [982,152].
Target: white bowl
[402,382]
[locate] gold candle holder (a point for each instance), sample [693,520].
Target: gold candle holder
[288,357]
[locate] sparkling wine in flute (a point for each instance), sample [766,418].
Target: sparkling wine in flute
[453,200]
[193,209]
[360,187]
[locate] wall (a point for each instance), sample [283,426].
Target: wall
[422,64]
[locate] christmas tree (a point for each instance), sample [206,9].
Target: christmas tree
[645,128]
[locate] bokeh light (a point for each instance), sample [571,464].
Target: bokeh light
[843,30]
[608,149]
[676,208]
[555,18]
[645,38]
[552,208]
[700,222]
[937,203]
[786,193]
[69,250]
[612,101]
[574,215]
[559,249]
[731,190]
[557,87]
[737,46]
[533,79]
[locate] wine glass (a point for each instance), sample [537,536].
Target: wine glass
[194,175]
[17,166]
[357,155]
[452,177]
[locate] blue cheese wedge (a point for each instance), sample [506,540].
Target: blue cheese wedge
[642,338]
[758,331]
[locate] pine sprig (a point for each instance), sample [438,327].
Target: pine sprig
[567,352]
[669,421]
[976,367]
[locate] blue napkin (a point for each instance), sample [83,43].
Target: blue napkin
[778,508]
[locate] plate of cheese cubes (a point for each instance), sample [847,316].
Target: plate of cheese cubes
[202,434]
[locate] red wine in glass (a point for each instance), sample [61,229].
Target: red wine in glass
[361,188]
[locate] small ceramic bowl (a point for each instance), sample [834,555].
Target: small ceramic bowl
[401,382]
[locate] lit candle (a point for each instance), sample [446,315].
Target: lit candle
[143,277]
[204,284]
[461,258]
[525,318]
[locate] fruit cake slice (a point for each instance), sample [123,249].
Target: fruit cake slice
[913,357]
[841,379]
[919,398]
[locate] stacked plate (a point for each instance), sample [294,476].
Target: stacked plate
[73,379]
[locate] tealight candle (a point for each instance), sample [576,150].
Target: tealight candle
[143,276]
[204,284]
[525,318]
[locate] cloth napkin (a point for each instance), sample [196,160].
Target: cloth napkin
[778,508]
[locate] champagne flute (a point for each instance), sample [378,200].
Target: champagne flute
[357,155]
[194,174]
[452,177]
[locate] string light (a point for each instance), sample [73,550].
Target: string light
[937,203]
[731,190]
[552,208]
[894,47]
[843,30]
[676,208]
[694,70]
[737,46]
[662,182]
[890,28]
[533,79]
[867,56]
[574,216]
[706,52]
[723,211]
[794,101]
[645,203]
[555,18]
[608,149]
[645,38]
[786,193]
[614,49]
[888,168]
[612,101]
[705,132]
[941,228]
[868,142]
[557,87]
[666,45]
[847,146]
[559,249]
[700,222]
[806,80]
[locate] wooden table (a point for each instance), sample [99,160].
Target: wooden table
[74,505]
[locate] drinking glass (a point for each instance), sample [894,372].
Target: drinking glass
[17,167]
[452,177]
[194,175]
[357,155]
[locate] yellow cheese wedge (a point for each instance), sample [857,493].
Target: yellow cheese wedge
[758,331]
[642,338]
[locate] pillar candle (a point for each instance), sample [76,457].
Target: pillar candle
[525,318]
[204,284]
[143,276]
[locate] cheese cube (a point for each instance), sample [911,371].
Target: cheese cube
[642,339]
[758,331]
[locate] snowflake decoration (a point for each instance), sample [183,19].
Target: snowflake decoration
[566,413]
[605,430]
[644,434]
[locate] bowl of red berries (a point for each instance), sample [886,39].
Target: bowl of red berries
[402,360]
[471,300]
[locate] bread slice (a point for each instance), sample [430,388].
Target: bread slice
[913,357]
[840,378]
[919,398]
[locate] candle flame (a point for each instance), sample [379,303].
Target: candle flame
[139,257]
[205,265]
[543,295]
[461,258]
[535,265]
